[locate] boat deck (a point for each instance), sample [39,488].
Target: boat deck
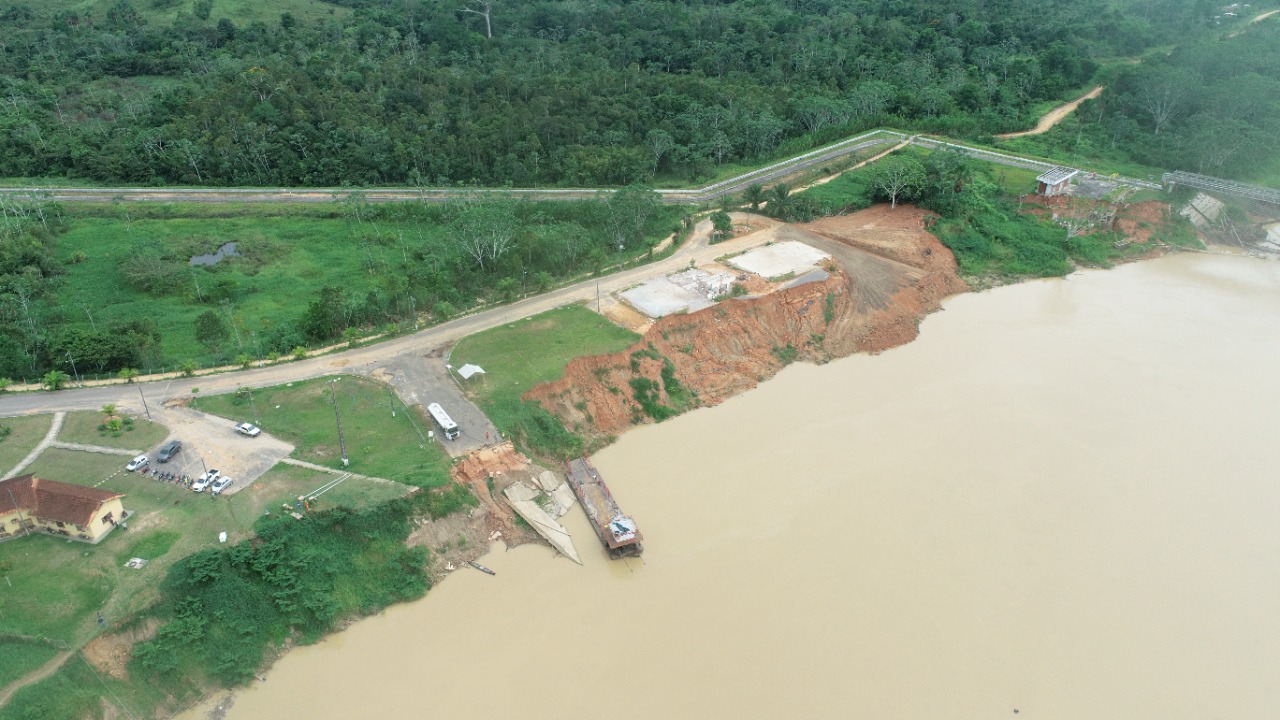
[617,531]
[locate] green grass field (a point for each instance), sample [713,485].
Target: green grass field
[535,350]
[528,352]
[19,657]
[300,253]
[395,448]
[82,428]
[25,433]
[76,691]
[59,586]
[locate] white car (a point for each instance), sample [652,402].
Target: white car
[220,484]
[204,481]
[137,463]
[248,429]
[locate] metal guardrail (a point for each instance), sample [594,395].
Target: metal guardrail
[1213,184]
[709,193]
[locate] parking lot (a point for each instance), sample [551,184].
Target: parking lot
[210,442]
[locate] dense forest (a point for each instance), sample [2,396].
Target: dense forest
[1209,106]
[499,92]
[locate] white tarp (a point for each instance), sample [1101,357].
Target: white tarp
[466,371]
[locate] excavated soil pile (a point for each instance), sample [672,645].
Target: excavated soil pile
[887,273]
[488,472]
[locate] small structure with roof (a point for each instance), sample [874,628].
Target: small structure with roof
[33,504]
[1055,181]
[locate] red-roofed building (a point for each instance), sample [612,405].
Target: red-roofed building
[30,503]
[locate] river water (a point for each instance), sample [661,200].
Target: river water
[1061,500]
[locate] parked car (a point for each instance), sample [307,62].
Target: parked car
[204,481]
[248,429]
[137,463]
[220,484]
[168,450]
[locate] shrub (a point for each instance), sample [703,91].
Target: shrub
[188,367]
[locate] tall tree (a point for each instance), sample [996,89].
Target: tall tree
[897,176]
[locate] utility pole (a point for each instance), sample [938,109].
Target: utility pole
[144,402]
[598,299]
[342,443]
[253,405]
[73,368]
[21,521]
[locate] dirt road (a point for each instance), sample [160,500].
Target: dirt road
[1055,116]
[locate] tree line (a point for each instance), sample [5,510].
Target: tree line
[537,92]
[1211,106]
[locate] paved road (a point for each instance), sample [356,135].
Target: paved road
[771,173]
[715,191]
[403,358]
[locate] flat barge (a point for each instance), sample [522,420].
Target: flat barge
[617,531]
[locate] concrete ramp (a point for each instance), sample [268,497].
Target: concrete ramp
[523,498]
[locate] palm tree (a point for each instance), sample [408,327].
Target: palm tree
[127,374]
[755,195]
[779,199]
[109,409]
[54,380]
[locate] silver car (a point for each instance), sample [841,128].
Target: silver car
[220,484]
[137,463]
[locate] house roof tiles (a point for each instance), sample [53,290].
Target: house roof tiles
[52,500]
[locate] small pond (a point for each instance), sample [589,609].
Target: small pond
[226,251]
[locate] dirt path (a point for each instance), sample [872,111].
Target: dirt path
[1054,116]
[864,163]
[50,437]
[1264,16]
[34,676]
[95,449]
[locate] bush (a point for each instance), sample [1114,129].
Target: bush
[225,607]
[188,367]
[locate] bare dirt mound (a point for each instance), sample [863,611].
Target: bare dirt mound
[487,472]
[111,653]
[887,274]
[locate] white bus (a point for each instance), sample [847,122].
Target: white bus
[446,423]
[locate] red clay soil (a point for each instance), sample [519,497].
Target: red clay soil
[497,466]
[887,274]
[1137,222]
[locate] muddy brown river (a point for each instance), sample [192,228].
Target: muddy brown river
[1062,502]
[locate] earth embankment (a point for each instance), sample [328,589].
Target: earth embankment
[886,273]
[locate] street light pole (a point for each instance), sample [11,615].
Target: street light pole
[73,368]
[144,402]
[342,443]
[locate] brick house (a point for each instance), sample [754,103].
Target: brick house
[57,508]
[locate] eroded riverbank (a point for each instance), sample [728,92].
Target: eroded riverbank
[1058,499]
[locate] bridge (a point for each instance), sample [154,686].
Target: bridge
[1219,185]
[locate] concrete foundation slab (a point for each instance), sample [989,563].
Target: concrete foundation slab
[779,259]
[661,297]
